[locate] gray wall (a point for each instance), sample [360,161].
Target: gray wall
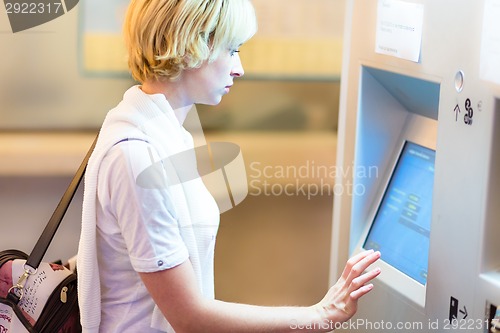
[41,85]
[26,205]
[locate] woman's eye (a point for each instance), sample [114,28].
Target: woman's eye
[233,52]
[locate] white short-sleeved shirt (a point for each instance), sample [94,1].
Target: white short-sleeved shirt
[138,231]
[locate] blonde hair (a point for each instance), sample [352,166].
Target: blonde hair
[165,37]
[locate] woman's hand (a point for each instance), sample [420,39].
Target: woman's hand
[177,294]
[341,301]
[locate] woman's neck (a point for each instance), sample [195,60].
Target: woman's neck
[174,94]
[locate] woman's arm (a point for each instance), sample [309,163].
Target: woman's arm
[176,293]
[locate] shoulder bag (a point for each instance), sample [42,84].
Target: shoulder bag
[36,296]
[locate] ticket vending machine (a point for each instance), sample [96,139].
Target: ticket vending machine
[418,163]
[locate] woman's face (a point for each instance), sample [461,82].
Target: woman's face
[207,84]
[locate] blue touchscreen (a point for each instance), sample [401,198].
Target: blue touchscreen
[401,228]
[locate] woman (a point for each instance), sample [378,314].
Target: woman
[145,258]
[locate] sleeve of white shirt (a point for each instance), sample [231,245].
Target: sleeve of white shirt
[142,220]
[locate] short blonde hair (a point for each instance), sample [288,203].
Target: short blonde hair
[165,37]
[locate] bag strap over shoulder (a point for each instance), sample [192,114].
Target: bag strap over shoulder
[50,230]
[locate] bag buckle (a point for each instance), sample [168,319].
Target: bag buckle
[18,289]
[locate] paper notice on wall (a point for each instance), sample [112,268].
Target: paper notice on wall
[490,42]
[399,29]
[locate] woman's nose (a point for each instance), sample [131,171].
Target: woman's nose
[237,70]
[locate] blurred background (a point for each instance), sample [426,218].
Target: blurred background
[58,81]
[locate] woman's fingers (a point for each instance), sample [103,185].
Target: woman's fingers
[360,284]
[358,293]
[358,264]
